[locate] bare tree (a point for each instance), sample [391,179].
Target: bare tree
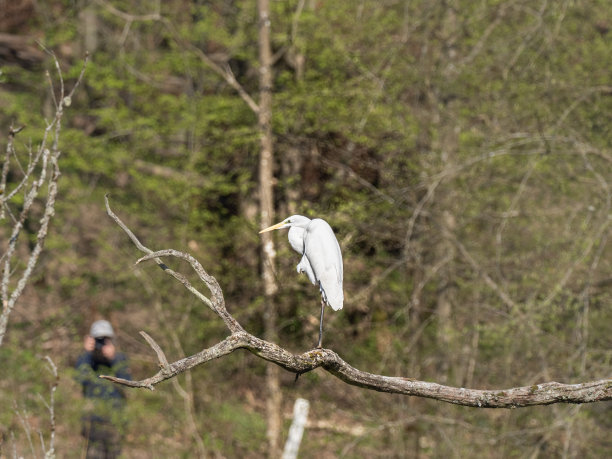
[38,173]
[536,394]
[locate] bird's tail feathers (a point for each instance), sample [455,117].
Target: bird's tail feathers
[336,301]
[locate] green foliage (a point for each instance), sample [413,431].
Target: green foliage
[461,154]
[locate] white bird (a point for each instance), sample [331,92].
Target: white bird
[321,258]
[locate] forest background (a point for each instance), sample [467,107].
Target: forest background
[460,150]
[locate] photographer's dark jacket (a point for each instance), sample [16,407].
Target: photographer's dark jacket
[88,371]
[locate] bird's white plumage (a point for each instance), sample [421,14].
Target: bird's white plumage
[321,259]
[322,251]
[321,256]
[296,239]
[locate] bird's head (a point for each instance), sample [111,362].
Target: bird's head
[295,220]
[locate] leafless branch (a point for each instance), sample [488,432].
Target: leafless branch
[186,393]
[217,304]
[22,416]
[50,452]
[43,169]
[538,394]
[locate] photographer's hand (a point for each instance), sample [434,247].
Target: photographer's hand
[108,350]
[89,344]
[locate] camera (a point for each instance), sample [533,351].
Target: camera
[98,355]
[100,342]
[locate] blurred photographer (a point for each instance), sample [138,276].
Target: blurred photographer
[104,422]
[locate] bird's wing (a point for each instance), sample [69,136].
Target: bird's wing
[304,267]
[322,250]
[296,239]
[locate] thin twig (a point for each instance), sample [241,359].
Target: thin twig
[163,361]
[26,427]
[217,304]
[51,405]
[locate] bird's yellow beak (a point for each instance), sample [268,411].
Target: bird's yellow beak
[273,227]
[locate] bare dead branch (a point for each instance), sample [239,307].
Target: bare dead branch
[210,281]
[163,361]
[217,304]
[50,452]
[43,168]
[538,394]
[219,350]
[23,416]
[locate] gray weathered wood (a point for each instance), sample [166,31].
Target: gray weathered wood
[536,394]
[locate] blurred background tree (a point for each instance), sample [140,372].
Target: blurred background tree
[461,151]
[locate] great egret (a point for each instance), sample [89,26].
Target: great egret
[321,258]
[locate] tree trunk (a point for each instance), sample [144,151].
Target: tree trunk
[266,199]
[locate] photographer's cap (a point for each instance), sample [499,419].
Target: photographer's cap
[101,328]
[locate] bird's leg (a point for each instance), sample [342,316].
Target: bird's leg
[321,324]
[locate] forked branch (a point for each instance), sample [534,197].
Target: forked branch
[539,394]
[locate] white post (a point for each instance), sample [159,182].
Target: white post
[300,414]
